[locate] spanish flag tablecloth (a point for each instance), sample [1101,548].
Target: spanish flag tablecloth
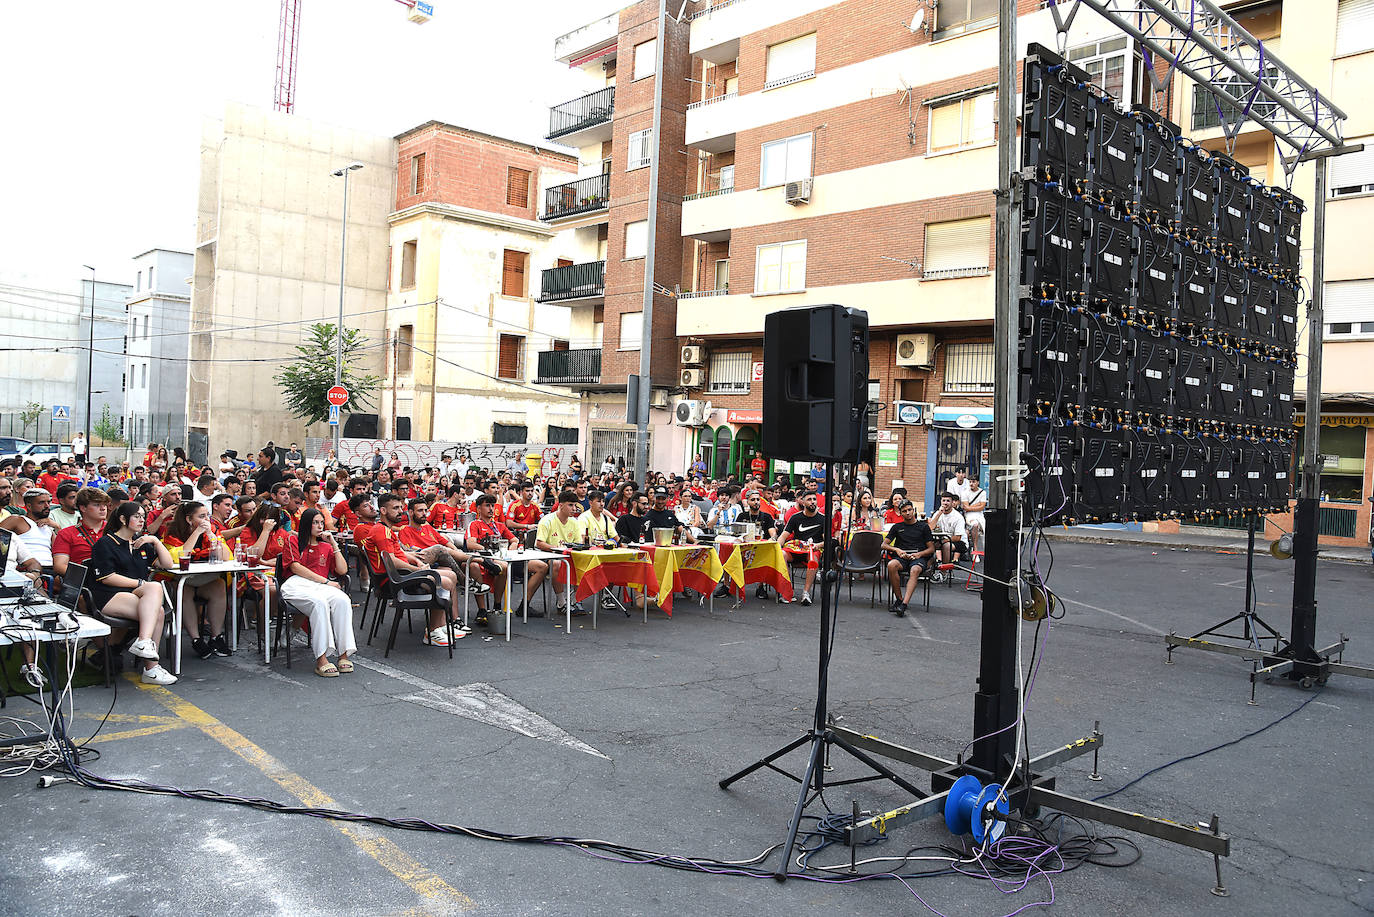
[687,566]
[757,562]
[603,568]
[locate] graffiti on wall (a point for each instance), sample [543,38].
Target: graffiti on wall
[357,453]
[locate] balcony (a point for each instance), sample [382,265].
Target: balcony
[585,120]
[575,281]
[586,195]
[715,183]
[569,367]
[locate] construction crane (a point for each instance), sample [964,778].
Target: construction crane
[288,40]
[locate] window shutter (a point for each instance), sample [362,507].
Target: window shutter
[1348,300]
[946,127]
[508,365]
[517,187]
[788,59]
[1353,170]
[513,274]
[561,346]
[1354,28]
[957,245]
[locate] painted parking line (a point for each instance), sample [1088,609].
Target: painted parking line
[438,896]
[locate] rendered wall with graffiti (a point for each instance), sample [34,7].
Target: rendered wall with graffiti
[357,453]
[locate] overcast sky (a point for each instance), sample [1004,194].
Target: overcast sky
[102,103]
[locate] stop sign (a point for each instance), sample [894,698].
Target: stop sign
[337,396]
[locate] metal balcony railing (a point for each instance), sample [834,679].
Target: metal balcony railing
[715,183]
[575,281]
[586,195]
[569,367]
[589,110]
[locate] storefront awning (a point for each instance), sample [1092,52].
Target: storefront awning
[963,418]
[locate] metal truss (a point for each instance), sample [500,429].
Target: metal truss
[1247,80]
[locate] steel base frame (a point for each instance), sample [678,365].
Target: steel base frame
[1028,790]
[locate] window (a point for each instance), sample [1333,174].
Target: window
[631,330]
[968,368]
[1348,306]
[1209,111]
[517,187]
[646,58]
[1352,173]
[731,85]
[509,433]
[513,265]
[636,239]
[789,61]
[784,161]
[417,174]
[408,254]
[560,345]
[958,248]
[911,390]
[510,363]
[727,178]
[780,267]
[730,373]
[722,274]
[641,151]
[150,279]
[955,17]
[1354,27]
[961,124]
[389,263]
[562,436]
[1108,63]
[138,281]
[405,350]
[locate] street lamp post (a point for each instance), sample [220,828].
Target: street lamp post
[343,261]
[90,358]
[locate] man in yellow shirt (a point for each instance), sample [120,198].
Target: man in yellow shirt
[560,528]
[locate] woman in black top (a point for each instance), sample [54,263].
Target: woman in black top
[121,563]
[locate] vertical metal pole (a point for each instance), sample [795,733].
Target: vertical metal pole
[90,364]
[338,349]
[646,332]
[1303,635]
[995,703]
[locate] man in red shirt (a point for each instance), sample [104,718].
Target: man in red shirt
[524,516]
[487,529]
[74,543]
[171,496]
[437,550]
[221,507]
[313,501]
[445,514]
[385,538]
[51,477]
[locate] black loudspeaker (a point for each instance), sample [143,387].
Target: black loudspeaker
[815,383]
[360,426]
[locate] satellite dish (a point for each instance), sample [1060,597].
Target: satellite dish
[918,22]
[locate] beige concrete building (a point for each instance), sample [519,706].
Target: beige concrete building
[267,265]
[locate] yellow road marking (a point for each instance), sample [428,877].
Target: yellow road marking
[136,733]
[127,717]
[438,895]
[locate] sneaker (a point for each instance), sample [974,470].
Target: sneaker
[609,604]
[436,637]
[202,648]
[901,610]
[894,606]
[478,588]
[143,648]
[721,591]
[461,628]
[761,593]
[937,576]
[221,646]
[33,675]
[805,599]
[157,675]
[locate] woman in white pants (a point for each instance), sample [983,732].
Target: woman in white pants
[306,564]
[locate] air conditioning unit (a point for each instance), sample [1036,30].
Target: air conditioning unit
[912,412]
[691,413]
[421,12]
[915,350]
[693,354]
[693,378]
[798,192]
[658,398]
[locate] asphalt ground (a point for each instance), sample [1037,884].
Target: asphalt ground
[673,706]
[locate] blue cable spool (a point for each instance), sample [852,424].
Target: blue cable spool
[968,796]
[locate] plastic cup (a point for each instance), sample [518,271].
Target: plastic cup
[184,562]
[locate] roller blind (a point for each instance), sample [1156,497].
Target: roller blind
[794,58]
[1354,26]
[517,187]
[1348,301]
[513,273]
[960,245]
[1352,173]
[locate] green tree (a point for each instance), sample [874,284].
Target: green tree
[30,415]
[107,429]
[305,380]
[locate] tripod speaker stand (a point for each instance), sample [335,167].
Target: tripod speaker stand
[820,738]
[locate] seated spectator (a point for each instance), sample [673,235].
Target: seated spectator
[33,527]
[892,511]
[190,532]
[121,563]
[631,527]
[661,517]
[309,559]
[158,518]
[524,515]
[206,488]
[444,514]
[949,522]
[596,522]
[488,531]
[382,538]
[313,498]
[912,549]
[63,512]
[75,543]
[561,527]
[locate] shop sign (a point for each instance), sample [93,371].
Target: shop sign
[887,455]
[744,416]
[757,373]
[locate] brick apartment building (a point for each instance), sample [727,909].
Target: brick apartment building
[812,152]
